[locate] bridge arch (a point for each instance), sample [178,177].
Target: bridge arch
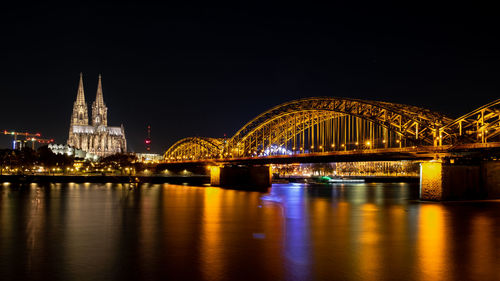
[195,148]
[478,126]
[327,123]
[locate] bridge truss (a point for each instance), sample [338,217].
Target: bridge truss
[328,124]
[479,126]
[195,148]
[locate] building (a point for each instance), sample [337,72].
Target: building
[98,138]
[148,157]
[71,151]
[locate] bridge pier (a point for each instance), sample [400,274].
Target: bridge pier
[446,181]
[241,177]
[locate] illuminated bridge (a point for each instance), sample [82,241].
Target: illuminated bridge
[329,129]
[347,128]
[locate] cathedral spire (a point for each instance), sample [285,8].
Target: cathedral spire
[99,109]
[99,100]
[80,97]
[80,114]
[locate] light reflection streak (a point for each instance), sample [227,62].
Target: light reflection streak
[146,225]
[370,256]
[432,249]
[297,249]
[359,195]
[34,224]
[483,248]
[211,243]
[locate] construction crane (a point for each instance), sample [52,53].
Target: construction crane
[38,140]
[45,141]
[17,144]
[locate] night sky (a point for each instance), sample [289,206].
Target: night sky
[206,71]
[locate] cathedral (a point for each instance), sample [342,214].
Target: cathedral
[98,138]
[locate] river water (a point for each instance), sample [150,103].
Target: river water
[294,232]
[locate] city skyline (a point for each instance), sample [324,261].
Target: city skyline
[194,71]
[282,141]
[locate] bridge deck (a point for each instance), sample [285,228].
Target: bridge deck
[383,154]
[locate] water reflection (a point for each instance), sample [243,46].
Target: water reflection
[432,240]
[294,232]
[212,259]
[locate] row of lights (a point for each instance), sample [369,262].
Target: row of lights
[367,143]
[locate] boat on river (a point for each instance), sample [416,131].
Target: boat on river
[345,180]
[327,179]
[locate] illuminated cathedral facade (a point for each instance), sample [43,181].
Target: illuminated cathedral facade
[97,138]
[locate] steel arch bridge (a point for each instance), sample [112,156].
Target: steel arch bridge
[329,124]
[479,126]
[195,148]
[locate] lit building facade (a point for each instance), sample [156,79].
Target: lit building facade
[97,138]
[71,151]
[148,157]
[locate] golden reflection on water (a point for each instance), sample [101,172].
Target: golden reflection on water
[146,226]
[370,255]
[211,247]
[432,243]
[354,232]
[483,251]
[398,252]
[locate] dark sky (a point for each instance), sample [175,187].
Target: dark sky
[206,71]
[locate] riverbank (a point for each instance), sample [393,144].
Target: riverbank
[191,180]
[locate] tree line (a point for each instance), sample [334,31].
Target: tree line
[27,160]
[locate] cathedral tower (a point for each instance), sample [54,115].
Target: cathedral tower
[80,113]
[97,139]
[99,109]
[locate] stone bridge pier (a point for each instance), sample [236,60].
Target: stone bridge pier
[241,176]
[462,181]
